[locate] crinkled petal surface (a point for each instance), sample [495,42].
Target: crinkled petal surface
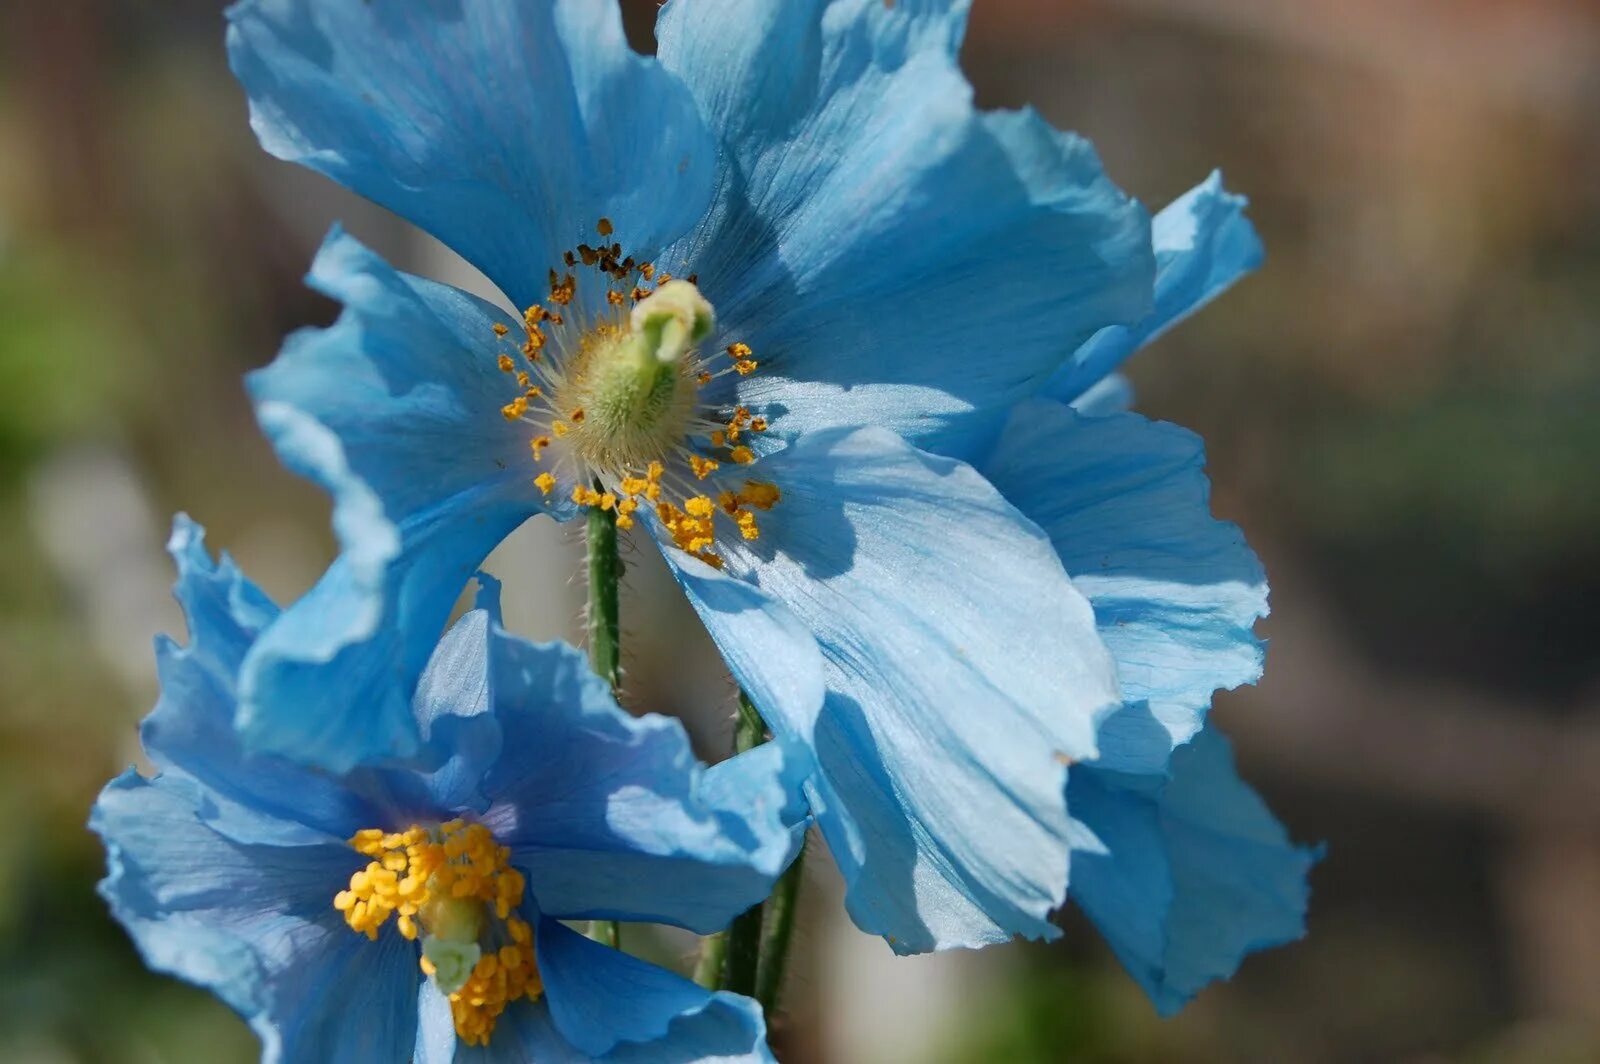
[256,925]
[1175,591]
[869,222]
[611,817]
[395,410]
[250,798]
[1185,876]
[1203,244]
[601,1000]
[505,129]
[963,672]
[715,1028]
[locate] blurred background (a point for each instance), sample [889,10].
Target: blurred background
[1400,410]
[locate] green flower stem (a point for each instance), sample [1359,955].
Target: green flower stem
[708,970]
[779,931]
[605,633]
[605,574]
[744,934]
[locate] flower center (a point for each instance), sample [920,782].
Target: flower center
[614,401]
[454,886]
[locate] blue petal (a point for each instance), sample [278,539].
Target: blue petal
[871,225]
[1188,875]
[454,710]
[506,130]
[962,669]
[395,410]
[1108,395]
[190,733]
[769,651]
[601,999]
[609,816]
[1203,244]
[256,925]
[1175,591]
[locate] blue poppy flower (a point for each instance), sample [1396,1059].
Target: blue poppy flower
[1175,859]
[411,911]
[774,288]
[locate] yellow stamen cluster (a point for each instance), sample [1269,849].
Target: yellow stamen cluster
[622,420]
[427,878]
[499,978]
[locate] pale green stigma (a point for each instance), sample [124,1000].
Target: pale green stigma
[451,962]
[671,321]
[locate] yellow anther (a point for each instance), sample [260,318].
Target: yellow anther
[742,455]
[747,525]
[761,495]
[745,366]
[604,227]
[614,297]
[500,329]
[505,364]
[702,378]
[514,409]
[647,271]
[703,467]
[537,445]
[562,288]
[719,439]
[758,424]
[560,428]
[545,482]
[577,416]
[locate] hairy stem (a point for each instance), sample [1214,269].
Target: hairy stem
[605,634]
[744,934]
[779,931]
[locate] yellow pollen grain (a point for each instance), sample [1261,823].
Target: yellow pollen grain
[758,424]
[505,364]
[744,367]
[702,378]
[576,416]
[545,482]
[603,227]
[538,444]
[719,439]
[742,455]
[514,409]
[560,428]
[500,329]
[703,467]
